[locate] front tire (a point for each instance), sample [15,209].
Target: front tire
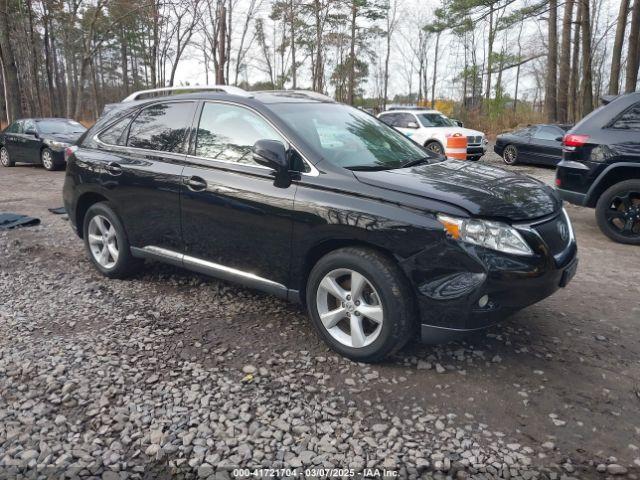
[618,212]
[510,155]
[360,303]
[5,158]
[106,242]
[435,147]
[48,161]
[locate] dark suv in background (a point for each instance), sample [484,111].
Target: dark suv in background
[320,203]
[600,166]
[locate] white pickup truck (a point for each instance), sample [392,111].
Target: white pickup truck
[431,129]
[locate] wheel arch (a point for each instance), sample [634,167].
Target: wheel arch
[321,249]
[613,174]
[82,205]
[434,140]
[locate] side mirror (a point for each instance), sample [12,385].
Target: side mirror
[31,131]
[459,123]
[412,125]
[272,154]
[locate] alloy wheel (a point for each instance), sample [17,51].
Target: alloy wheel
[350,308]
[47,159]
[4,157]
[623,214]
[510,155]
[435,147]
[103,242]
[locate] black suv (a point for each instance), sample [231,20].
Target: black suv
[320,203]
[600,167]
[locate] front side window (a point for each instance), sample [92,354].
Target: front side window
[548,133]
[629,120]
[116,134]
[389,119]
[162,127]
[29,126]
[404,120]
[228,132]
[348,137]
[435,120]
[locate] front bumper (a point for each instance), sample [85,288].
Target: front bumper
[462,287]
[476,151]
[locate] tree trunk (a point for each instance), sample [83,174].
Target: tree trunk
[10,69]
[318,80]
[515,96]
[587,82]
[124,62]
[84,72]
[551,97]
[435,72]
[565,63]
[633,54]
[294,66]
[572,104]
[352,54]
[47,64]
[222,50]
[490,53]
[616,54]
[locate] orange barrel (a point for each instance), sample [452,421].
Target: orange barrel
[456,146]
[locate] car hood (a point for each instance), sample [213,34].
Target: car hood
[62,137]
[482,190]
[467,132]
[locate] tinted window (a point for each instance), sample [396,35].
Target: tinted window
[162,127]
[348,137]
[116,134]
[389,118]
[435,120]
[228,132]
[404,119]
[629,120]
[60,126]
[14,127]
[28,125]
[548,133]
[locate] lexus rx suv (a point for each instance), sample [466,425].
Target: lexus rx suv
[316,202]
[600,166]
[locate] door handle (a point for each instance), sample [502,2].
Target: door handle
[113,168]
[196,184]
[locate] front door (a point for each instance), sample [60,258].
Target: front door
[13,141]
[31,143]
[235,221]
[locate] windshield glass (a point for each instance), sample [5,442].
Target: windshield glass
[435,120]
[348,137]
[60,126]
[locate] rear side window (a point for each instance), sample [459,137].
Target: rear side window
[162,127]
[389,118]
[116,134]
[14,127]
[404,119]
[548,133]
[629,120]
[227,132]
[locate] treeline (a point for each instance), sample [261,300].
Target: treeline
[70,57]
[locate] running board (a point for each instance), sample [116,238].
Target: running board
[216,270]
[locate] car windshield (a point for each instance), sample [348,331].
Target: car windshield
[435,120]
[348,137]
[60,126]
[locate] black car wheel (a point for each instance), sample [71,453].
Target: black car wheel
[435,147]
[360,303]
[5,159]
[618,212]
[106,242]
[48,161]
[510,155]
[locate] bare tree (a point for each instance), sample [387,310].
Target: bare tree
[13,92]
[616,54]
[551,98]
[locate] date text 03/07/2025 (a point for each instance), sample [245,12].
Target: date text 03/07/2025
[314,473]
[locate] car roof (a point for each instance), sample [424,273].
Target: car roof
[411,110]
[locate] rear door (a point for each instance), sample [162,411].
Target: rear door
[31,142]
[13,140]
[142,171]
[545,146]
[235,220]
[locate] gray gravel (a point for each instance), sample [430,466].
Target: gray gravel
[173,374]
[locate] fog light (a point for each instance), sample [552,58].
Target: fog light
[484,300]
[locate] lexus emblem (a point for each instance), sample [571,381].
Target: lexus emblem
[563,230]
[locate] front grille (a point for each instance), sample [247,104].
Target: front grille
[474,140]
[555,233]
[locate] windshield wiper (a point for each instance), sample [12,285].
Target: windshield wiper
[367,168]
[417,161]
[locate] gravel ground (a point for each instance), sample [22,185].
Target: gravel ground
[171,374]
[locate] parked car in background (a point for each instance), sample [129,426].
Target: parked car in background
[539,144]
[377,236]
[38,140]
[431,128]
[600,167]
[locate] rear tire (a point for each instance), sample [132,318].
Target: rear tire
[5,159]
[106,242]
[361,304]
[435,147]
[510,155]
[618,212]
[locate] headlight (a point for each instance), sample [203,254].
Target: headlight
[494,235]
[56,144]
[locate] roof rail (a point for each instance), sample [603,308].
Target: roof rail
[302,93]
[217,88]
